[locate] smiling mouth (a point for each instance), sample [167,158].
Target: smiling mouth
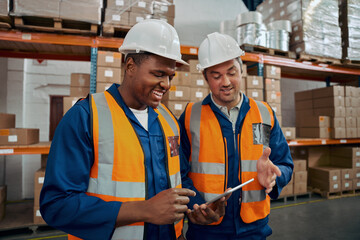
[158,94]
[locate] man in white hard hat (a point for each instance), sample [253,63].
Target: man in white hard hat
[113,170]
[227,140]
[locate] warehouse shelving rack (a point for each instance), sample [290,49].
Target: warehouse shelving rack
[51,46]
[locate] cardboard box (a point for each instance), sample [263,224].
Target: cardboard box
[244,70]
[142,6]
[37,216]
[135,17]
[177,93]
[337,133]
[351,132]
[351,102]
[337,122]
[7,120]
[181,79]
[347,152]
[332,111]
[277,108]
[347,185]
[289,132]
[304,105]
[193,66]
[39,178]
[102,87]
[272,84]
[329,92]
[313,132]
[109,59]
[81,11]
[299,153]
[351,112]
[80,80]
[312,121]
[273,97]
[19,136]
[303,95]
[299,165]
[108,75]
[342,161]
[116,4]
[68,102]
[198,94]
[256,94]
[325,178]
[347,174]
[197,80]
[350,122]
[350,91]
[176,107]
[356,184]
[287,190]
[254,82]
[300,176]
[115,18]
[300,187]
[356,173]
[79,92]
[279,118]
[272,72]
[336,101]
[318,156]
[160,9]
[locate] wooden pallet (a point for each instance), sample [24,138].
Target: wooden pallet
[333,195]
[115,30]
[267,51]
[318,59]
[5,22]
[352,63]
[55,25]
[294,196]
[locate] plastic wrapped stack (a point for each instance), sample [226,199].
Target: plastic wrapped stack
[279,34]
[350,28]
[228,27]
[250,29]
[4,8]
[315,25]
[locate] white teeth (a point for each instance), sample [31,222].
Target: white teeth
[158,93]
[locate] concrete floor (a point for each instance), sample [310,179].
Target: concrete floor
[306,217]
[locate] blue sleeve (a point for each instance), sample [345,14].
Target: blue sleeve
[63,202]
[281,157]
[185,149]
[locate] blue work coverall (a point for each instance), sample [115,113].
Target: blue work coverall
[232,227]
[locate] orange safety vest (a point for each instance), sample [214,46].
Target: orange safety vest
[116,144]
[209,159]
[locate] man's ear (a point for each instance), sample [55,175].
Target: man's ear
[130,65]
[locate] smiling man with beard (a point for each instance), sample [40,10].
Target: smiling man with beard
[113,170]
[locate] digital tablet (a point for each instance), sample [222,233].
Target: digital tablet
[230,191]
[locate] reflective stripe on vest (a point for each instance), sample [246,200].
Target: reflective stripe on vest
[204,131]
[118,172]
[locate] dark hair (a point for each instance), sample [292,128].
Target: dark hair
[138,57]
[237,59]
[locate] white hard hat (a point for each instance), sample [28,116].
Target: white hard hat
[217,48]
[154,36]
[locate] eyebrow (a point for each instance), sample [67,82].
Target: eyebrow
[229,69]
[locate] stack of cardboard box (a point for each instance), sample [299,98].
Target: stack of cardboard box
[109,70]
[79,88]
[272,75]
[10,136]
[352,111]
[38,184]
[300,177]
[126,13]
[255,87]
[312,107]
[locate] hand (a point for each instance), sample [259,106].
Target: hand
[206,214]
[168,206]
[267,171]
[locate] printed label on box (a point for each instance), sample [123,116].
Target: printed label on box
[164,8]
[334,178]
[139,19]
[178,93]
[358,184]
[288,133]
[142,4]
[108,73]
[119,3]
[41,180]
[358,175]
[38,214]
[115,18]
[199,94]
[357,154]
[255,82]
[12,138]
[273,96]
[357,164]
[346,185]
[347,176]
[336,186]
[255,94]
[110,59]
[178,106]
[200,82]
[193,50]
